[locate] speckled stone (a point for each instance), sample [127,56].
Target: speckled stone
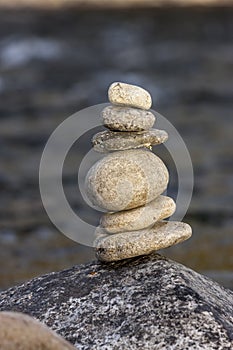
[139,218]
[130,244]
[148,302]
[126,179]
[106,141]
[129,95]
[21,332]
[127,118]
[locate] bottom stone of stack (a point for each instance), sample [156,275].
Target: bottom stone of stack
[113,247]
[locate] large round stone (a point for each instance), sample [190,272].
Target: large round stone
[126,179]
[129,95]
[139,218]
[127,118]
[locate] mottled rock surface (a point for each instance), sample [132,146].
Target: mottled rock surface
[142,303]
[123,94]
[106,141]
[138,218]
[126,179]
[127,118]
[21,332]
[126,245]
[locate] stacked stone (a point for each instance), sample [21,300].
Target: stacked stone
[128,182]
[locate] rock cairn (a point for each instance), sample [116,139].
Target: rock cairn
[128,182]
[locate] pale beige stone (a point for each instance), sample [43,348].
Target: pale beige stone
[107,141]
[127,118]
[139,218]
[126,179]
[123,94]
[21,332]
[134,243]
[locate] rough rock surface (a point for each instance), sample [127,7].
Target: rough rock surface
[21,332]
[142,303]
[126,179]
[127,119]
[123,94]
[138,218]
[106,141]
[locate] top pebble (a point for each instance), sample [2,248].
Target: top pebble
[122,94]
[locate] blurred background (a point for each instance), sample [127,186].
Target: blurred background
[57,57]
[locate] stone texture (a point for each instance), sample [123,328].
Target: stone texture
[21,332]
[142,303]
[129,95]
[126,179]
[127,119]
[139,218]
[126,245]
[106,141]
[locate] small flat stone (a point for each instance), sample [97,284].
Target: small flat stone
[127,118]
[134,243]
[129,95]
[106,141]
[137,219]
[21,332]
[126,179]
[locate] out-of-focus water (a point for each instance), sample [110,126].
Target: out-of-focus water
[54,63]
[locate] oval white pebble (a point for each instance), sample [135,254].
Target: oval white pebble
[123,94]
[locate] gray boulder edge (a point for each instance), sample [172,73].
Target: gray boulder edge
[148,302]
